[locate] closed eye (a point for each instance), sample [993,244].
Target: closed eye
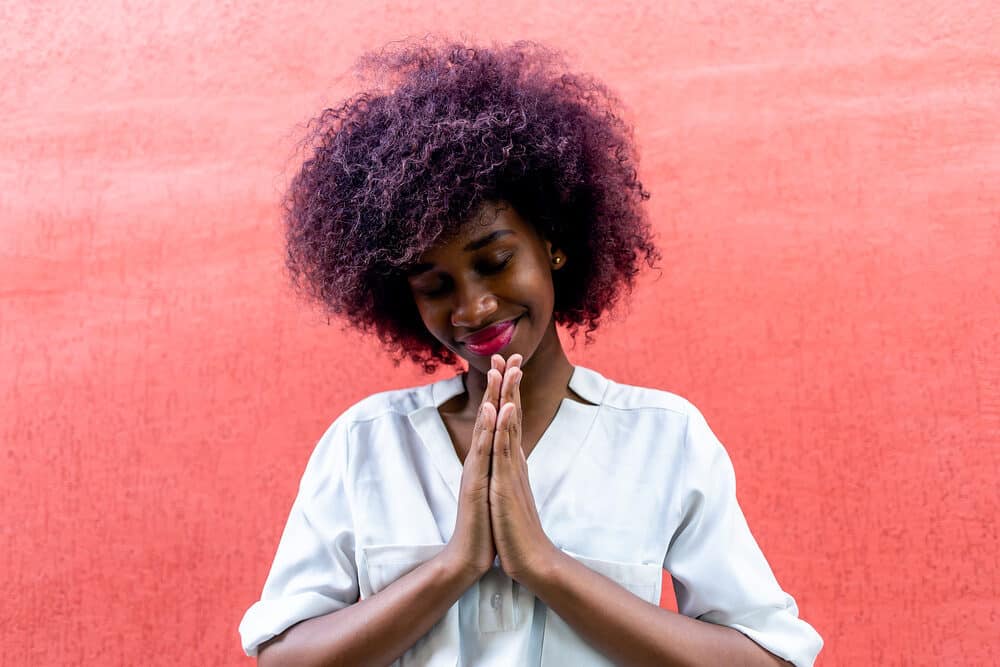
[489,268]
[431,292]
[444,284]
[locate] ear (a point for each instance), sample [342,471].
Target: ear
[557,258]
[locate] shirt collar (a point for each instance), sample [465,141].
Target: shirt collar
[553,455]
[588,384]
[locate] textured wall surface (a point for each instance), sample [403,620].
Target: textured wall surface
[826,189]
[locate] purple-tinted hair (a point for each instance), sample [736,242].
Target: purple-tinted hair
[442,129]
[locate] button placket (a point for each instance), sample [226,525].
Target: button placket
[496,602]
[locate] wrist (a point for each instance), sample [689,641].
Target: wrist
[455,566]
[543,568]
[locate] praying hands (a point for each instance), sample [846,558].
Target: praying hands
[496,508]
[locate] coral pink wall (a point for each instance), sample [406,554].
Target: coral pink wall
[826,181]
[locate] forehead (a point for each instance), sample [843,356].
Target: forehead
[491,219]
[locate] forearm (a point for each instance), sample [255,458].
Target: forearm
[377,630]
[631,631]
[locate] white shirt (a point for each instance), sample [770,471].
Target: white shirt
[630,485]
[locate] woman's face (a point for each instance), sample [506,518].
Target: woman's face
[488,289]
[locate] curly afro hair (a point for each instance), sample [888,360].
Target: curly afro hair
[443,129]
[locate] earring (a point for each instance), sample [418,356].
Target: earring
[557,260]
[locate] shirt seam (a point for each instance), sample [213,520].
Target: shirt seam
[349,493]
[389,411]
[685,466]
[657,408]
[427,402]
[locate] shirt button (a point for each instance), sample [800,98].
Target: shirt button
[495,602]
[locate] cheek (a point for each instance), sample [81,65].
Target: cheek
[538,284]
[436,319]
[430,314]
[425,312]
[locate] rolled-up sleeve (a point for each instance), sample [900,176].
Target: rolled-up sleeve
[720,574]
[314,570]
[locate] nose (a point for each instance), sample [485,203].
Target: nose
[473,306]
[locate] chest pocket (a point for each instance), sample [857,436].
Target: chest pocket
[643,581]
[562,646]
[379,566]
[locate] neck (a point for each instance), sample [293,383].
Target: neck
[545,382]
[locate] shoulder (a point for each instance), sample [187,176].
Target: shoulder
[639,414]
[389,409]
[392,403]
[628,397]
[661,414]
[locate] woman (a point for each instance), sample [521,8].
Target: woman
[521,512]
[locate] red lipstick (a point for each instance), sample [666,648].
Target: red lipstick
[491,339]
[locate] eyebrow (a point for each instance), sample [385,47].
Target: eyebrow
[484,241]
[476,244]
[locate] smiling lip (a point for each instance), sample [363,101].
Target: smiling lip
[491,339]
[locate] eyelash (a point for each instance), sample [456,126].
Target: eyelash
[484,268]
[488,269]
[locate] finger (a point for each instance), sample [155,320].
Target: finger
[506,439]
[515,360]
[497,362]
[500,443]
[483,435]
[507,388]
[516,400]
[512,363]
[510,391]
[494,378]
